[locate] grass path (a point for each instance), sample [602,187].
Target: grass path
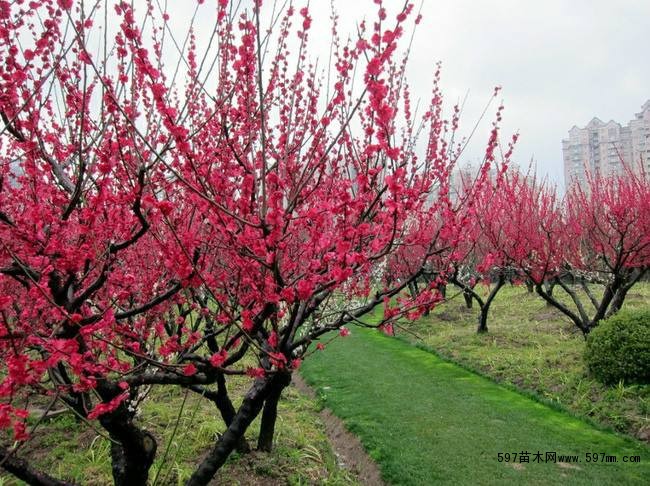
[427,421]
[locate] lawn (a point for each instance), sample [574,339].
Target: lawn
[534,348]
[428,421]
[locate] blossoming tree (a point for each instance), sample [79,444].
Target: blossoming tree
[172,227]
[602,241]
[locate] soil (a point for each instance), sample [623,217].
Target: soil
[348,449]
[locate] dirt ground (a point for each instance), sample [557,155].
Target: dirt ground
[347,447]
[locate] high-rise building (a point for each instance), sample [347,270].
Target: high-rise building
[607,148]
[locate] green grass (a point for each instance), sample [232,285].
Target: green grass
[428,421]
[302,454]
[533,347]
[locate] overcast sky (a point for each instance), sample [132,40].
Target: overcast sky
[560,62]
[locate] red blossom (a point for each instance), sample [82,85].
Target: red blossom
[217,359]
[256,372]
[189,369]
[273,339]
[107,407]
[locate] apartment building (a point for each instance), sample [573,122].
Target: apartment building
[607,147]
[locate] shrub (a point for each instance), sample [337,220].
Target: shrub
[619,348]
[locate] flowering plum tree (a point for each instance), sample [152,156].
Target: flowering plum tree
[481,256]
[606,242]
[169,227]
[464,240]
[599,235]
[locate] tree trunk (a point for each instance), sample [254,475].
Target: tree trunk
[581,321]
[227,411]
[221,398]
[248,411]
[469,300]
[530,286]
[621,293]
[482,321]
[132,450]
[616,304]
[549,287]
[485,306]
[131,462]
[270,413]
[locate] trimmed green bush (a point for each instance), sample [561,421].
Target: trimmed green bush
[619,348]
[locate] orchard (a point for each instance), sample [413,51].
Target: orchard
[176,211]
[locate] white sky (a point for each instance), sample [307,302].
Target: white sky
[560,62]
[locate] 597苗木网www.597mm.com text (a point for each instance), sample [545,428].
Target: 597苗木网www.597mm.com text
[544,457]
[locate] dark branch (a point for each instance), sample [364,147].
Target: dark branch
[22,470]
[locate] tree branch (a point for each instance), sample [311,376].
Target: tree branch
[22,470]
